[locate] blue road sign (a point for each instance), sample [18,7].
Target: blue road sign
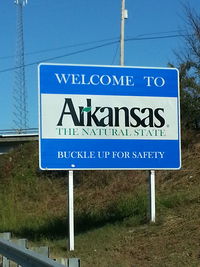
[108,117]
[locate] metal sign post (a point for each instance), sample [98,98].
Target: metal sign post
[152,199]
[71,211]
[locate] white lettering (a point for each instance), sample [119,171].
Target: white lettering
[157,81]
[161,154]
[75,78]
[83,80]
[92,79]
[148,80]
[120,154]
[62,78]
[76,154]
[118,81]
[105,79]
[95,79]
[148,155]
[129,81]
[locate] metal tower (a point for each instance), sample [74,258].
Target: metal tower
[20,112]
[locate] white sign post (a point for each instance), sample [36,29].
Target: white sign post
[152,196]
[71,210]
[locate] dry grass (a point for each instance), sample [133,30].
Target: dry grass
[110,210]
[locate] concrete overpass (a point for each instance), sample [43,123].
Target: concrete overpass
[10,139]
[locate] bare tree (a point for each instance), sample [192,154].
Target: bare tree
[192,39]
[189,67]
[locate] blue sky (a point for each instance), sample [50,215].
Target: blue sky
[67,29]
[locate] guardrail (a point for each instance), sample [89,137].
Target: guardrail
[28,258]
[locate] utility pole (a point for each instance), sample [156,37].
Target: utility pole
[151,178]
[124,15]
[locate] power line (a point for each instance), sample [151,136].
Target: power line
[95,47]
[156,37]
[115,54]
[138,37]
[61,56]
[163,32]
[62,47]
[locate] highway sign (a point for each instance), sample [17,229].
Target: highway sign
[108,117]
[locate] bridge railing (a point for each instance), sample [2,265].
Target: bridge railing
[19,131]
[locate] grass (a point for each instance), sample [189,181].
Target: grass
[111,211]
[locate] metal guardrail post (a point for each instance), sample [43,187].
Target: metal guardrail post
[74,262]
[5,261]
[63,261]
[43,250]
